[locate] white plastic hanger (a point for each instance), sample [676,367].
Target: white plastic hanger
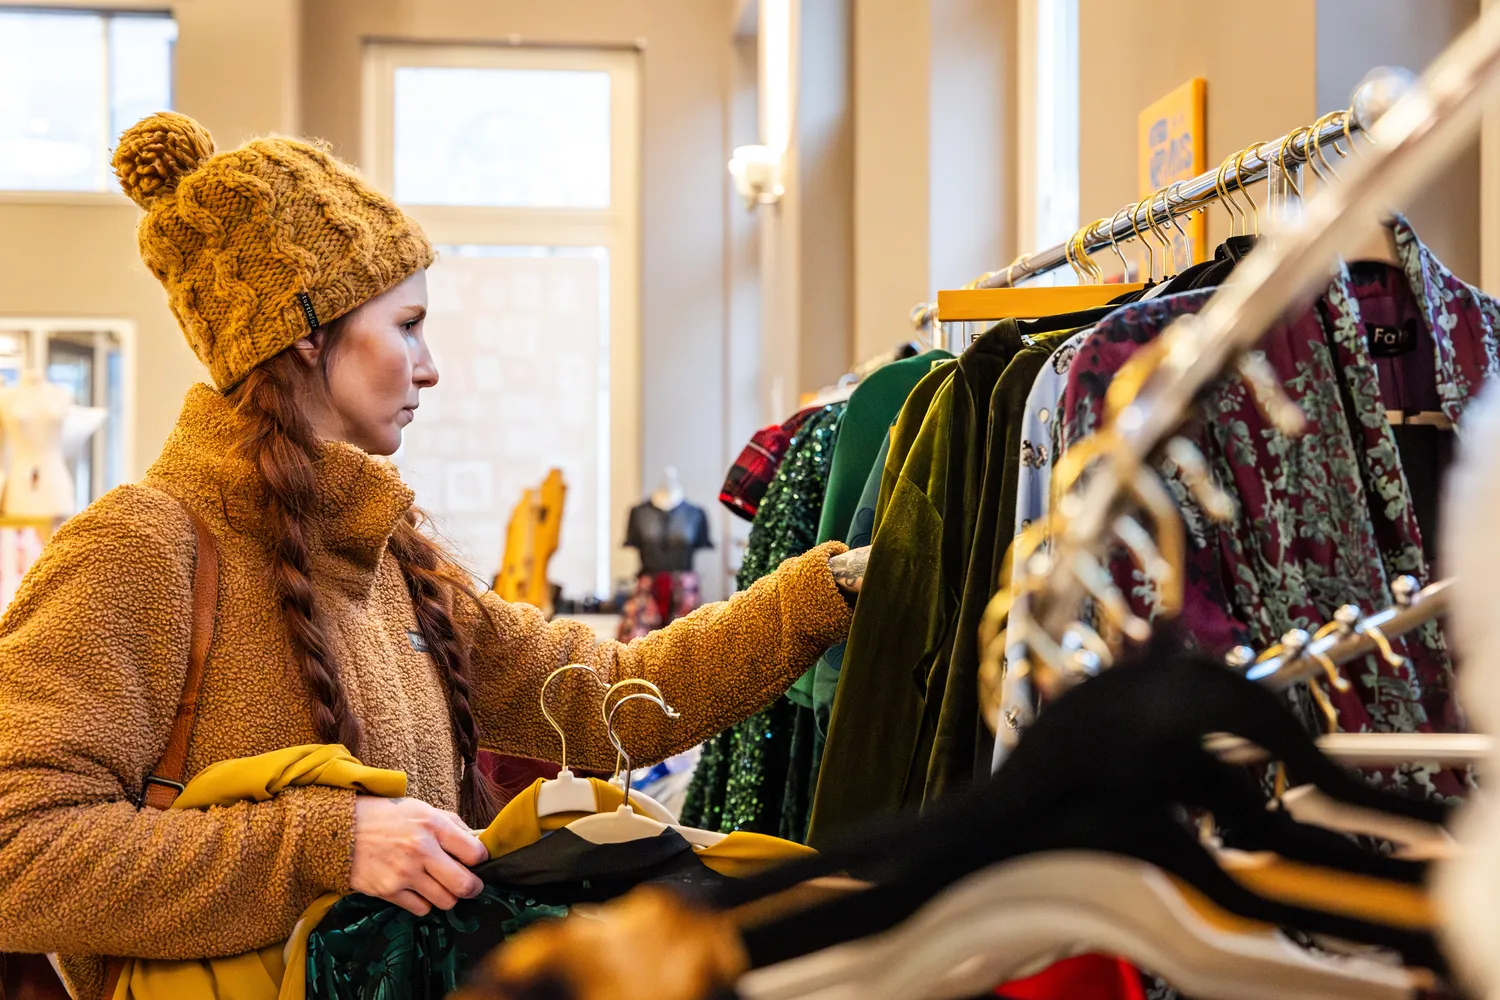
[1011,918]
[1414,839]
[566,793]
[624,824]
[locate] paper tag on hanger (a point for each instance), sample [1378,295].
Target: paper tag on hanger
[1390,341]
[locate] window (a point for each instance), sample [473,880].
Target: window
[70,83]
[1049,127]
[522,167]
[458,131]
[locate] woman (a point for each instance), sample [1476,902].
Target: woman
[337,620]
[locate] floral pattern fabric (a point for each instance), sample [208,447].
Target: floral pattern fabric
[659,599]
[1321,520]
[1038,449]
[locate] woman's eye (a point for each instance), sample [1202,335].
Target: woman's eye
[410,327]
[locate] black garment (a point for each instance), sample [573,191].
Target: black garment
[1110,767]
[667,539]
[1426,453]
[566,869]
[1229,254]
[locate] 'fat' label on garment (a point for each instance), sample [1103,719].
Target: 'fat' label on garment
[1390,341]
[418,642]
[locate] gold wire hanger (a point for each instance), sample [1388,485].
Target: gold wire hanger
[1239,176]
[1226,199]
[1115,246]
[1150,254]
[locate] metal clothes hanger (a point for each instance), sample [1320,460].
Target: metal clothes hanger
[624,823]
[1115,246]
[1150,254]
[1168,261]
[621,777]
[565,793]
[1226,200]
[1239,176]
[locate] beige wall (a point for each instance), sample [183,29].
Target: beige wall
[1355,36]
[1252,96]
[236,72]
[972,202]
[892,88]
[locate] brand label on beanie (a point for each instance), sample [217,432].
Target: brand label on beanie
[308,311]
[418,642]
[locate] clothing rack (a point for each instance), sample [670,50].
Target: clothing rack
[1299,656]
[1182,198]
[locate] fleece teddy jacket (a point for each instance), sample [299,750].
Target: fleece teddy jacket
[94,651]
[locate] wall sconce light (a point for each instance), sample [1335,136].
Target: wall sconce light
[757,175]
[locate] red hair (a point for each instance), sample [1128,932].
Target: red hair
[280,441]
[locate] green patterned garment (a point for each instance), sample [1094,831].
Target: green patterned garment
[368,949]
[757,776]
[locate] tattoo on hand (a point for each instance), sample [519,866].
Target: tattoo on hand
[849,569]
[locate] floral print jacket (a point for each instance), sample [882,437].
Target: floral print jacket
[1325,519]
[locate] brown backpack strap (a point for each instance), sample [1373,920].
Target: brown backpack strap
[31,977]
[165,782]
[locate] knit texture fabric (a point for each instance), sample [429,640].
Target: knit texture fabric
[94,650]
[237,238]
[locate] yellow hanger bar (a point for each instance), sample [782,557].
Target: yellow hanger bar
[959,305]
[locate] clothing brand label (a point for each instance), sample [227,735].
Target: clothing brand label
[307,310]
[1390,341]
[418,642]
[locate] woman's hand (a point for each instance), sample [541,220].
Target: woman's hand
[408,853]
[849,569]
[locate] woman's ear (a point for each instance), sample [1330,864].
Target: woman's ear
[310,348]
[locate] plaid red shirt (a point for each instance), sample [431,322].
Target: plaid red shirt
[752,472]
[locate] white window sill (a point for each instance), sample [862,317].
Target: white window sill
[114,199]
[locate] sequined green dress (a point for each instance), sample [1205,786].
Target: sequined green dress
[757,775]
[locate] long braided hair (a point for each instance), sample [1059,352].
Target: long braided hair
[280,442]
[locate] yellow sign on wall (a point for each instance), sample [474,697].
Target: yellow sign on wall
[1174,148]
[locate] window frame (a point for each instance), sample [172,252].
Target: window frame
[617,227]
[111,195]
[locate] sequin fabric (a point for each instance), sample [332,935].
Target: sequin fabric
[750,778]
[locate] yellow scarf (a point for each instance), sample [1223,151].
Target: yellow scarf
[256,975]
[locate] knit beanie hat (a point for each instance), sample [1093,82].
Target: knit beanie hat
[258,245]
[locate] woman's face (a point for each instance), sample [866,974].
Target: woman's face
[378,365]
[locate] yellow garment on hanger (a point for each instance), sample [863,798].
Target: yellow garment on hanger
[256,975]
[738,855]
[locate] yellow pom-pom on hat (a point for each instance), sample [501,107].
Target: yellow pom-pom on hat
[257,245]
[155,153]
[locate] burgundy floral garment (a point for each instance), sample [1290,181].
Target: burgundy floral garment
[1325,519]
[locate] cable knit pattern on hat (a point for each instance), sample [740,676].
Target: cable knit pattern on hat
[94,649]
[236,236]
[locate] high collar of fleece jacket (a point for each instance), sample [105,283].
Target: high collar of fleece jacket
[359,498]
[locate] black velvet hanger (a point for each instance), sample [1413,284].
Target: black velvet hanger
[1113,766]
